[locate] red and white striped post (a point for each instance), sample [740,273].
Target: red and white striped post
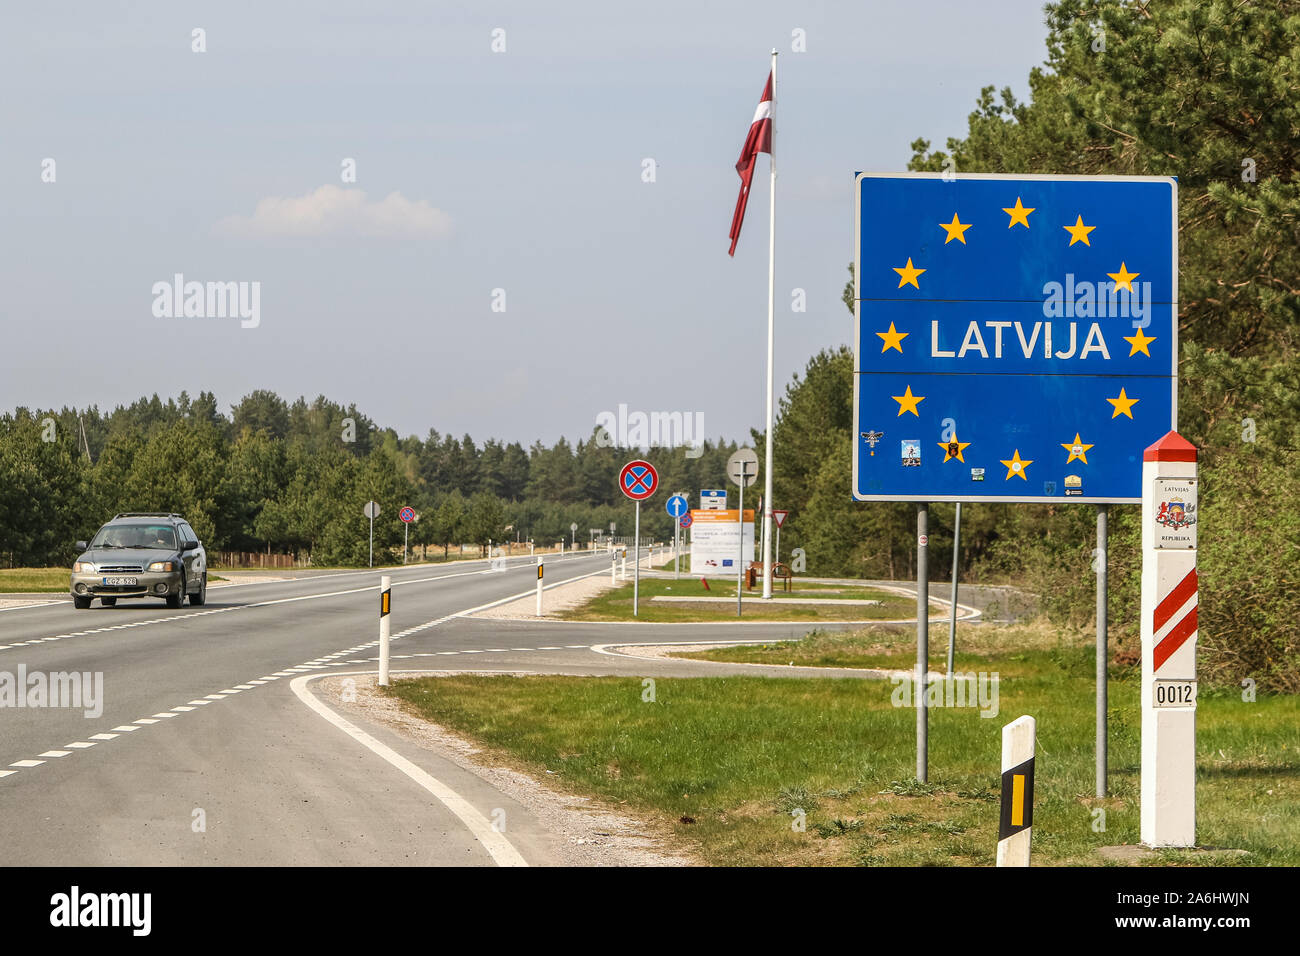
[1169,596]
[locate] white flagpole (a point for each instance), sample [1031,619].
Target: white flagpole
[771,305]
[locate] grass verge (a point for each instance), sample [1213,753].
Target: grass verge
[732,765]
[616,604]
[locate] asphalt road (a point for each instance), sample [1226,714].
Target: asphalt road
[206,754]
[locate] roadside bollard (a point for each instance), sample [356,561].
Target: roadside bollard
[1017,816]
[539,586]
[385,625]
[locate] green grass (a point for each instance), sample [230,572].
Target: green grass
[737,755]
[616,604]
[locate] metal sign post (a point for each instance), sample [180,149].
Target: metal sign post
[952,613]
[922,640]
[742,469]
[1103,652]
[638,481]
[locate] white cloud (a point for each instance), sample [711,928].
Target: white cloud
[332,211]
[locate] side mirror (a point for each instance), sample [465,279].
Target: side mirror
[190,546]
[82,545]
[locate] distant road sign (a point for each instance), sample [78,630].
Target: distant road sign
[407,514]
[713,499]
[779,517]
[677,506]
[638,480]
[1017,335]
[745,461]
[371,509]
[686,520]
[574,526]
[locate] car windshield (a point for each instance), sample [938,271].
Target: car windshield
[136,536]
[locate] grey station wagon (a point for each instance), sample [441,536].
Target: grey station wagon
[141,554]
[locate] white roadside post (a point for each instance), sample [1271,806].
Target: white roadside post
[539,585]
[1017,816]
[385,625]
[622,567]
[1169,599]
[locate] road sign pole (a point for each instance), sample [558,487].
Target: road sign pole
[372,541]
[539,585]
[1169,632]
[677,549]
[740,561]
[385,625]
[952,612]
[922,639]
[636,561]
[406,537]
[1103,651]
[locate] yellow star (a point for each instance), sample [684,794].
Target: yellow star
[1123,404]
[1139,343]
[907,402]
[1079,232]
[953,449]
[893,339]
[1077,449]
[956,230]
[907,274]
[1015,466]
[1019,214]
[1124,278]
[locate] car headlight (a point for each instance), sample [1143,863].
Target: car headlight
[163,566]
[82,567]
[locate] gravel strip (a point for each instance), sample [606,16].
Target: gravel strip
[567,596]
[589,833]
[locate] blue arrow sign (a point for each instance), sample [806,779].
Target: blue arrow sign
[677,506]
[1017,335]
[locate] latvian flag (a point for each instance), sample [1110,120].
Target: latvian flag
[758,141]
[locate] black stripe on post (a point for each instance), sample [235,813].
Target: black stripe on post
[1025,818]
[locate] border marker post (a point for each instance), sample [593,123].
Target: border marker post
[1169,629]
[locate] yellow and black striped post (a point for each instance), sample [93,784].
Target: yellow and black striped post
[1017,817]
[385,610]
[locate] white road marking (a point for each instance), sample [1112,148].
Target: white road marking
[80,745]
[126,728]
[6,773]
[27,763]
[496,844]
[183,708]
[200,703]
[53,753]
[164,714]
[104,736]
[146,720]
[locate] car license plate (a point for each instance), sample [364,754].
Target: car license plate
[121,582]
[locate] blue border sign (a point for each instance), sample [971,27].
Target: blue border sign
[1017,336]
[676,506]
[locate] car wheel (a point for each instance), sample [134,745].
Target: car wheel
[108,602]
[200,597]
[177,599]
[80,603]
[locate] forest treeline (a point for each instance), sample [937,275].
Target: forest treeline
[282,477]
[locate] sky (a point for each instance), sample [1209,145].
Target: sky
[535,234]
